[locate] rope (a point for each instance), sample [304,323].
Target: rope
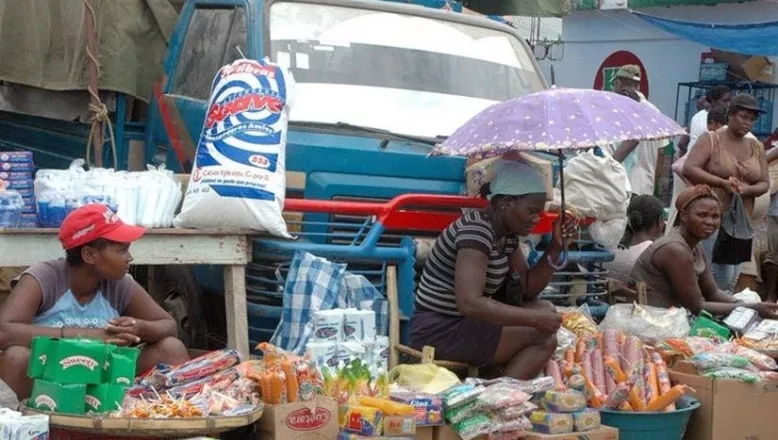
[96,106]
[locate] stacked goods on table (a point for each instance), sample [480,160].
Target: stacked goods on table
[613,370]
[216,384]
[351,357]
[717,359]
[15,426]
[495,408]
[762,336]
[17,198]
[145,198]
[78,376]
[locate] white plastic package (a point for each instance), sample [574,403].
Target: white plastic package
[597,185]
[15,426]
[238,180]
[608,233]
[646,321]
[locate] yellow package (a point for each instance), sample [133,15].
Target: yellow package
[551,423]
[586,420]
[564,401]
[362,420]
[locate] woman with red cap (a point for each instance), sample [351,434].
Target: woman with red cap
[674,267]
[88,294]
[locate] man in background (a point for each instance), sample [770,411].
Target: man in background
[638,157]
[718,96]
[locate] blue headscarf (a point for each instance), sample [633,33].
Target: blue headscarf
[513,178]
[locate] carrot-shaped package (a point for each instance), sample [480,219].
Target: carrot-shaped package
[570,356]
[594,396]
[663,378]
[614,370]
[619,396]
[278,382]
[636,398]
[598,370]
[586,365]
[652,383]
[580,349]
[553,370]
[292,384]
[666,399]
[610,343]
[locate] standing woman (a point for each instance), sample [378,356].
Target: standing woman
[730,161]
[472,262]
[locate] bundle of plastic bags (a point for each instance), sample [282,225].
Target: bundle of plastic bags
[146,198]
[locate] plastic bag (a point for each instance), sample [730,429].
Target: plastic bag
[514,412]
[565,339]
[733,373]
[608,233]
[760,360]
[580,322]
[474,426]
[735,239]
[425,378]
[460,394]
[501,396]
[534,386]
[646,321]
[748,296]
[238,180]
[712,361]
[598,185]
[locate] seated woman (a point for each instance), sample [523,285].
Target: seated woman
[674,267]
[88,294]
[472,260]
[645,223]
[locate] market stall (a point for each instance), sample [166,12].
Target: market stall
[231,249]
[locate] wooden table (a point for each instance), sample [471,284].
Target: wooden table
[231,249]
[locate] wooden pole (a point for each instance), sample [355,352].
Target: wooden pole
[93,53]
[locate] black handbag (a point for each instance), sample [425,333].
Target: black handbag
[735,240]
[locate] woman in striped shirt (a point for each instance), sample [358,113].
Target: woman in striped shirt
[477,298]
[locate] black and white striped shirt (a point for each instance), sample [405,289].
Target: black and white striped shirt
[473,230]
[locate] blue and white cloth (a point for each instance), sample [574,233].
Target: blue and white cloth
[314,284]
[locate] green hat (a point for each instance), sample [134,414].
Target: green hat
[629,71]
[513,178]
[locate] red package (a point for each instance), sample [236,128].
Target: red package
[165,376]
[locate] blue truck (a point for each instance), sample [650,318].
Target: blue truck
[378,83]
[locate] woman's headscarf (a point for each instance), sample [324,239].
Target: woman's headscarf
[514,178]
[690,194]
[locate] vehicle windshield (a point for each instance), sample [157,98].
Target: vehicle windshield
[406,74]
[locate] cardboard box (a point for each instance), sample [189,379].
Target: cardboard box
[424,433]
[120,366]
[446,432]
[755,68]
[604,433]
[481,172]
[75,361]
[316,420]
[103,398]
[399,426]
[39,349]
[61,398]
[730,409]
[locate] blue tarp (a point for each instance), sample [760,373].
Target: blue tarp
[748,39]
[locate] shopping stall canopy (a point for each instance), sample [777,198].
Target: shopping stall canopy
[525,8]
[749,39]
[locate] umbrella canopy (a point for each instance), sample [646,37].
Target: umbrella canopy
[557,119]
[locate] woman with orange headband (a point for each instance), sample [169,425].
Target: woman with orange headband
[674,267]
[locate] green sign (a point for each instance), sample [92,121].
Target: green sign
[608,74]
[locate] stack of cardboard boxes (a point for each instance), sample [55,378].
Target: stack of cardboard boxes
[78,376]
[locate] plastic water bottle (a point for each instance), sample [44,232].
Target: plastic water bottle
[11,206]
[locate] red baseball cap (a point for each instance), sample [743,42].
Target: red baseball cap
[90,222]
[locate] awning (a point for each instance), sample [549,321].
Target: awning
[748,39]
[524,8]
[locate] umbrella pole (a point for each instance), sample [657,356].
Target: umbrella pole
[558,265]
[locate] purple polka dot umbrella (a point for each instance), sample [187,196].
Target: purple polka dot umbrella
[557,119]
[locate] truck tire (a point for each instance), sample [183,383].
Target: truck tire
[179,295]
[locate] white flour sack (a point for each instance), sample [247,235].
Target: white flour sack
[238,178]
